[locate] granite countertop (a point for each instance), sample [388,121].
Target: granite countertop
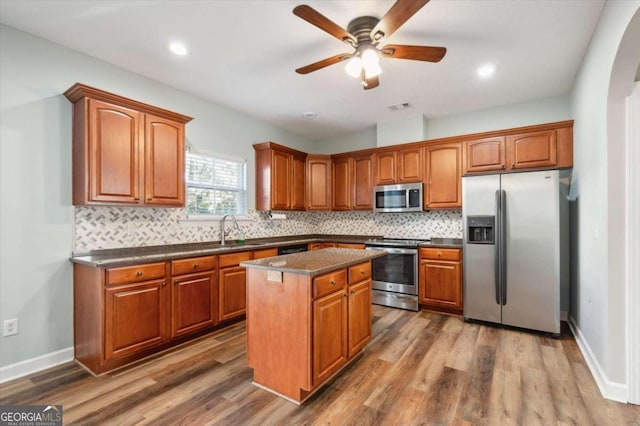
[314,262]
[110,258]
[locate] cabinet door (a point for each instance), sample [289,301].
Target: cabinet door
[136,317]
[164,162]
[114,153]
[409,165]
[297,183]
[195,303]
[440,283]
[280,180]
[233,292]
[329,335]
[359,316]
[444,176]
[484,155]
[530,150]
[362,186]
[318,183]
[341,180]
[385,168]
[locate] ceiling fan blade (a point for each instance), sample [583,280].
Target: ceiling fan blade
[325,24]
[399,13]
[370,83]
[323,63]
[417,53]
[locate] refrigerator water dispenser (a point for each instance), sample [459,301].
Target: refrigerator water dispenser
[481,229]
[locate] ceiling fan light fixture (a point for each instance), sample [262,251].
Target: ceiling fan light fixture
[372,71]
[370,58]
[354,66]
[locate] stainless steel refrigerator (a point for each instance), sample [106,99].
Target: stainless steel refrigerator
[515,248]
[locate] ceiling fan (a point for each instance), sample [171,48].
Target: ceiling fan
[364,34]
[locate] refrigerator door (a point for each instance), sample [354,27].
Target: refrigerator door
[479,260]
[532,251]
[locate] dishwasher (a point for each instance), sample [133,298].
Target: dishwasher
[294,248]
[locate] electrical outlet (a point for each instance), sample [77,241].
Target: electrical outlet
[10,327]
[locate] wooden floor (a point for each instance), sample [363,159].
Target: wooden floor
[419,368]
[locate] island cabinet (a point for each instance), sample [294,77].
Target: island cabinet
[302,329]
[280,177]
[125,152]
[440,279]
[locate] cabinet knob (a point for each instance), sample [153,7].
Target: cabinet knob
[513,164]
[139,274]
[164,284]
[439,254]
[150,198]
[333,282]
[353,292]
[136,198]
[195,265]
[361,272]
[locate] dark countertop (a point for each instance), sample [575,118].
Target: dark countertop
[314,262]
[110,258]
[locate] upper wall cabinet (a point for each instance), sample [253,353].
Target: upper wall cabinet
[399,166]
[280,177]
[541,147]
[341,183]
[125,152]
[443,176]
[361,182]
[318,183]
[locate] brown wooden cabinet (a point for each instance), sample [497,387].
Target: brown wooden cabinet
[440,279]
[362,182]
[486,154]
[318,182]
[194,298]
[125,152]
[532,150]
[398,166]
[233,285]
[341,183]
[359,309]
[280,177]
[443,171]
[329,335]
[350,246]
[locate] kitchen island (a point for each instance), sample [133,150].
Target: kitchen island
[308,316]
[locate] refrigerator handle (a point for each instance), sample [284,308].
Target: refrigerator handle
[503,243]
[497,251]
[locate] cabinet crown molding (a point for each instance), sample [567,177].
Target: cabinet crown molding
[79,91]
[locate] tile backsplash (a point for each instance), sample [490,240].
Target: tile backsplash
[117,227]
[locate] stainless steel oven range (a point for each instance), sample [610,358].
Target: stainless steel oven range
[395,276]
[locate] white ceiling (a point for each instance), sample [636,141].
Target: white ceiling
[243,53]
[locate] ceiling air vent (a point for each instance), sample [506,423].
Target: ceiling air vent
[399,107]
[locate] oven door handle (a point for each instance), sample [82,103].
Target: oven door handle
[394,250]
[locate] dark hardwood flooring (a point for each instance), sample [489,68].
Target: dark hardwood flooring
[419,368]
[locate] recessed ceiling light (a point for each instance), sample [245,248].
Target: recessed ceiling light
[486,71]
[309,115]
[178,48]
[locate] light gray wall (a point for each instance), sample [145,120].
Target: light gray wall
[598,287]
[36,215]
[537,111]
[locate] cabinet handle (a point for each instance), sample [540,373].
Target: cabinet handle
[353,292]
[136,198]
[513,164]
[176,282]
[361,272]
[439,254]
[333,282]
[150,198]
[164,284]
[195,265]
[139,274]
[502,167]
[440,266]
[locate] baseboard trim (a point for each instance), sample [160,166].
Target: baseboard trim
[610,390]
[33,365]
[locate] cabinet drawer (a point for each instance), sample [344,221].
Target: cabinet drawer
[132,274]
[440,253]
[359,272]
[261,254]
[194,264]
[233,259]
[328,283]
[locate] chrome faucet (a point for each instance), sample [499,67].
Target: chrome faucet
[224,233]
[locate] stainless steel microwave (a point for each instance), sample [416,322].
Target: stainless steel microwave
[404,197]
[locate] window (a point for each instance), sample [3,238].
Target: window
[215,185]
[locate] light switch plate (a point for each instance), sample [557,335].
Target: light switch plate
[275,276]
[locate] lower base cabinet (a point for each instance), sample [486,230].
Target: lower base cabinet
[440,279]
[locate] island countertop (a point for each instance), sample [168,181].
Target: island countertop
[316,262]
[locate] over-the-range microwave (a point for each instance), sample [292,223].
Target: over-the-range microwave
[404,197]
